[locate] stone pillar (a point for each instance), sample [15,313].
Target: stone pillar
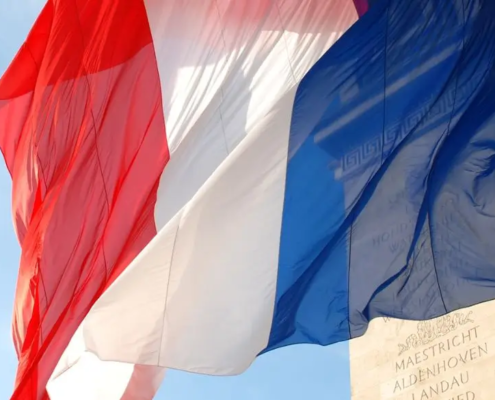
[448,358]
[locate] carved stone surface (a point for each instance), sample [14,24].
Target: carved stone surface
[448,358]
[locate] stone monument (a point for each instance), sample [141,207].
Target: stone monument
[447,358]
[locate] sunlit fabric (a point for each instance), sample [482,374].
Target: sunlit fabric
[114,115]
[372,198]
[290,175]
[81,128]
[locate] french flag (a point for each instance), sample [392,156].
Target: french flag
[197,182]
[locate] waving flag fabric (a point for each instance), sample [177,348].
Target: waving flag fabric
[83,134]
[114,116]
[366,191]
[223,181]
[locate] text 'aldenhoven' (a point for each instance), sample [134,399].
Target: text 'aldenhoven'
[436,368]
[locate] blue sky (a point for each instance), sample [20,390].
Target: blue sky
[295,373]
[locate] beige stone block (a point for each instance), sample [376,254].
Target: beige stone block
[448,358]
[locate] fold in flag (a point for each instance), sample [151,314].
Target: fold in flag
[114,116]
[199,182]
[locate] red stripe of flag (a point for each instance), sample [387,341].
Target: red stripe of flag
[84,140]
